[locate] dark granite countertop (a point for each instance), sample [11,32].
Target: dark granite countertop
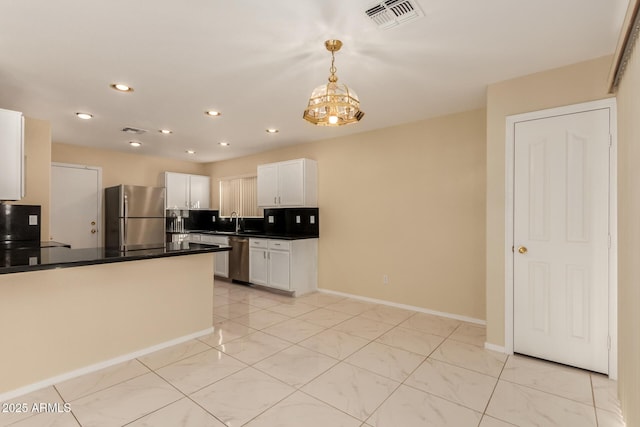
[254,234]
[46,258]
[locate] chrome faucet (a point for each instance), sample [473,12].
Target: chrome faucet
[237,220]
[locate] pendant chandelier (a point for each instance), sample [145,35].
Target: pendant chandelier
[333,104]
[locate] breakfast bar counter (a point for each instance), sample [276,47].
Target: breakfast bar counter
[61,256]
[66,312]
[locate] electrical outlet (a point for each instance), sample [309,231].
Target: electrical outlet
[385,279]
[297,219]
[213,218]
[312,219]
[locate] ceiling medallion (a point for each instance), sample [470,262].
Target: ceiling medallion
[333,104]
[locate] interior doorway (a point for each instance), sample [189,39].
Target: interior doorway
[76,203]
[560,240]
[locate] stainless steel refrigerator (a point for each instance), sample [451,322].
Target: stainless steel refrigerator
[134,217]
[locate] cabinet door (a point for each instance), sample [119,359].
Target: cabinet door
[221,264]
[268,185]
[258,266]
[177,185]
[279,270]
[291,183]
[199,191]
[11,155]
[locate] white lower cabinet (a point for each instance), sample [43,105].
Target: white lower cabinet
[289,265]
[279,269]
[258,266]
[221,259]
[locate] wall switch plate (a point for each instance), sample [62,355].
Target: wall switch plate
[33,219]
[385,279]
[312,219]
[297,219]
[272,219]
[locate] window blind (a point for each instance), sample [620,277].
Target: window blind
[239,195]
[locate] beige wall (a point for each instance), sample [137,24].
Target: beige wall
[406,201]
[123,168]
[57,321]
[629,240]
[585,81]
[37,145]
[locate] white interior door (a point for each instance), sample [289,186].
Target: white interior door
[561,238]
[75,205]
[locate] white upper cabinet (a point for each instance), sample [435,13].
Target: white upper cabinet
[199,191]
[186,191]
[177,188]
[11,155]
[268,185]
[293,183]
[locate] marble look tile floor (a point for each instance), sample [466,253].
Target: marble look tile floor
[327,361]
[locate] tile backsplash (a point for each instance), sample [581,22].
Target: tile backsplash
[293,222]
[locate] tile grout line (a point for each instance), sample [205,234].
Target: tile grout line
[593,398]
[433,394]
[494,390]
[82,396]
[184,396]
[65,401]
[163,406]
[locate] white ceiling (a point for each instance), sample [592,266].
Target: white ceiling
[258,61]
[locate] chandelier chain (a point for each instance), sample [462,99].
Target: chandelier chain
[333,69]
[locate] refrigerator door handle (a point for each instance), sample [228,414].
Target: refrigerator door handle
[124,222]
[123,233]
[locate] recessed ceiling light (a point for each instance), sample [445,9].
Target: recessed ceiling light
[135,143]
[120,87]
[165,131]
[84,116]
[224,144]
[272,130]
[213,113]
[190,152]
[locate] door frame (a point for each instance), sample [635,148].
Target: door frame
[98,169]
[608,103]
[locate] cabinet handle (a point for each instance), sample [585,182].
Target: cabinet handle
[275,201]
[279,200]
[264,255]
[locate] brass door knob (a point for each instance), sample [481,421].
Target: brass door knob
[93,223]
[523,250]
[93,231]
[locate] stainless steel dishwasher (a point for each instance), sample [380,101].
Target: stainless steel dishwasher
[239,259]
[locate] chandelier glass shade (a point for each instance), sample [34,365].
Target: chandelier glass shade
[333,103]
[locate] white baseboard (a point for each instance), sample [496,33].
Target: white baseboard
[406,307]
[100,365]
[493,347]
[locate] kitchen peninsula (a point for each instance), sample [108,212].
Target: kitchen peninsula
[66,311]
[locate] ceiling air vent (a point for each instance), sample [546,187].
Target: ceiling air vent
[392,13]
[133,130]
